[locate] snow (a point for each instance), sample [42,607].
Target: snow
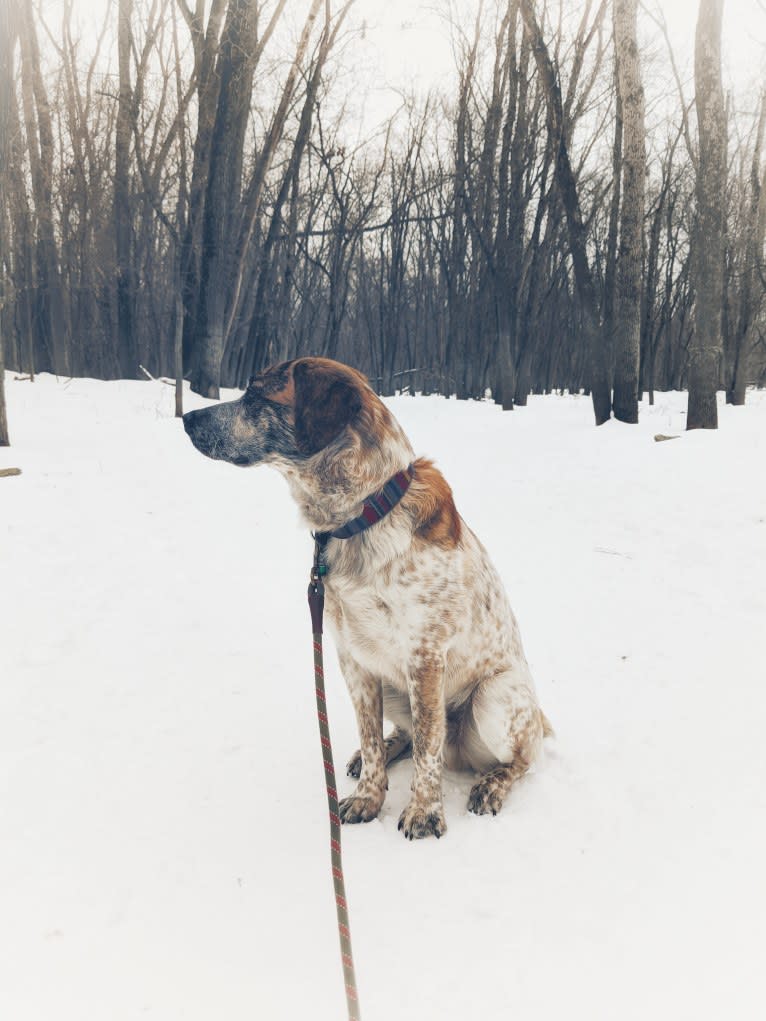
[164,845]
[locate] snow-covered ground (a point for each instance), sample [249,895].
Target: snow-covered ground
[164,848]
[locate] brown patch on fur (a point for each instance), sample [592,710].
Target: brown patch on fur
[375,421]
[276,383]
[429,500]
[327,397]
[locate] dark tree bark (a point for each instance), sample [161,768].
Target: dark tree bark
[705,355]
[613,231]
[627,337]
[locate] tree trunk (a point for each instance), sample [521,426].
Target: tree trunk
[627,337]
[227,237]
[613,230]
[235,69]
[206,47]
[178,332]
[752,290]
[705,353]
[19,250]
[127,347]
[39,131]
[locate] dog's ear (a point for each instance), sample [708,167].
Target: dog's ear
[325,403]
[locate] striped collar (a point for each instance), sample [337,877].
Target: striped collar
[375,507]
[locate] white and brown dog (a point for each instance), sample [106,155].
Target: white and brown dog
[423,627]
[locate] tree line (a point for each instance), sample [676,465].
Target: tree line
[200,208]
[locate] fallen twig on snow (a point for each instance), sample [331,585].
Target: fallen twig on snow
[167,382]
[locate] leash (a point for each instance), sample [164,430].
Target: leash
[374,508]
[316,606]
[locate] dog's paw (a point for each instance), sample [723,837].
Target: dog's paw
[354,765]
[486,797]
[419,820]
[360,807]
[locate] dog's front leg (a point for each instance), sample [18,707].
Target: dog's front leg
[367,696]
[424,815]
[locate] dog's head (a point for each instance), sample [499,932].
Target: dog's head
[289,413]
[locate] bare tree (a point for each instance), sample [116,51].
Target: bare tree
[223,262]
[40,145]
[630,92]
[752,289]
[705,355]
[238,57]
[567,187]
[123,225]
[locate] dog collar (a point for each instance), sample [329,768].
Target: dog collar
[375,508]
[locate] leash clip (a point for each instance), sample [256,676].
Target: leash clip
[319,568]
[316,584]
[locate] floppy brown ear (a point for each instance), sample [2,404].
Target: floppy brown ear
[325,403]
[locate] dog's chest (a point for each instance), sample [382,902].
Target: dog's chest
[377,625]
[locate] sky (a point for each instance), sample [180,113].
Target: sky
[403,44]
[397,48]
[408,44]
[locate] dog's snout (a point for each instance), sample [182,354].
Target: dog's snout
[198,428]
[225,433]
[191,418]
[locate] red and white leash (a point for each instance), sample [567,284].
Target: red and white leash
[316,606]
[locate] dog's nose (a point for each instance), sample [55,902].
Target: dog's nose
[195,424]
[189,421]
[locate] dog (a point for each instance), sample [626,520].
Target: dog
[424,631]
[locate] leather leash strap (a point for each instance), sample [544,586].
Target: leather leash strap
[316,606]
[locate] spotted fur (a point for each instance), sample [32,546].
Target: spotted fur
[425,634]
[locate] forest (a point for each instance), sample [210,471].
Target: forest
[184,194]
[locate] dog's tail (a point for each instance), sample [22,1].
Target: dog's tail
[548,730]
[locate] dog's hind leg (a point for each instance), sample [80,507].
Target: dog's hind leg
[490,792]
[501,736]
